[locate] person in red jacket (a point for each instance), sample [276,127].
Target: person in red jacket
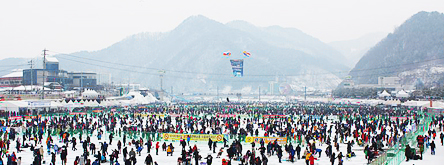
[157,148]
[312,160]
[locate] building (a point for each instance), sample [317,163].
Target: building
[389,83]
[13,79]
[83,79]
[51,74]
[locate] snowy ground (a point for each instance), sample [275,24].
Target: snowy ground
[428,158]
[162,159]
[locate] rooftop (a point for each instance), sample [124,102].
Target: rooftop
[14,73]
[51,59]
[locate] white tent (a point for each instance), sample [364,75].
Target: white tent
[392,102]
[415,103]
[384,94]
[150,98]
[91,103]
[55,104]
[402,93]
[136,98]
[95,103]
[90,94]
[13,106]
[105,103]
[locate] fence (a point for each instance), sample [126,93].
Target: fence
[396,154]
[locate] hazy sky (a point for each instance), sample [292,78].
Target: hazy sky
[29,26]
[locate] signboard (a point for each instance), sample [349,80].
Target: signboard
[39,103]
[238,67]
[77,113]
[274,116]
[226,115]
[178,115]
[193,137]
[280,140]
[33,117]
[15,118]
[146,115]
[436,110]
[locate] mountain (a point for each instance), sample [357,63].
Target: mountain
[290,38]
[8,64]
[414,50]
[354,49]
[191,55]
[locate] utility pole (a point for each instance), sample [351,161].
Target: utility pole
[44,70]
[161,73]
[81,82]
[217,91]
[259,93]
[305,93]
[30,63]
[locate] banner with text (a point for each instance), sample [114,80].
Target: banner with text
[193,137]
[226,115]
[274,116]
[280,140]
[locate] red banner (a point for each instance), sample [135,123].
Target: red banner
[400,118]
[15,118]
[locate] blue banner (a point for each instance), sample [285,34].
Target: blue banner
[238,67]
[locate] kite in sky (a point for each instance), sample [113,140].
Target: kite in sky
[227,53]
[246,53]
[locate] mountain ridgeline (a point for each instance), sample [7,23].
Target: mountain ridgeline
[191,56]
[415,50]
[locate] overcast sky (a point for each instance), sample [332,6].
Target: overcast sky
[29,26]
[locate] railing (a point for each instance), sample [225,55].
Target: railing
[396,154]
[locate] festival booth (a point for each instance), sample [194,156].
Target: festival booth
[402,94]
[41,106]
[71,105]
[373,102]
[433,104]
[90,94]
[394,102]
[413,103]
[384,94]
[14,108]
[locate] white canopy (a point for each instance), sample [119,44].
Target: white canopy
[402,93]
[384,94]
[392,102]
[13,106]
[415,103]
[56,104]
[90,94]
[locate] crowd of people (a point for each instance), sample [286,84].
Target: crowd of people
[313,131]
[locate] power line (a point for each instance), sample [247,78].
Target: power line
[224,80]
[219,74]
[4,66]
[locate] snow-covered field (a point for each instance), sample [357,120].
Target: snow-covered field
[162,159]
